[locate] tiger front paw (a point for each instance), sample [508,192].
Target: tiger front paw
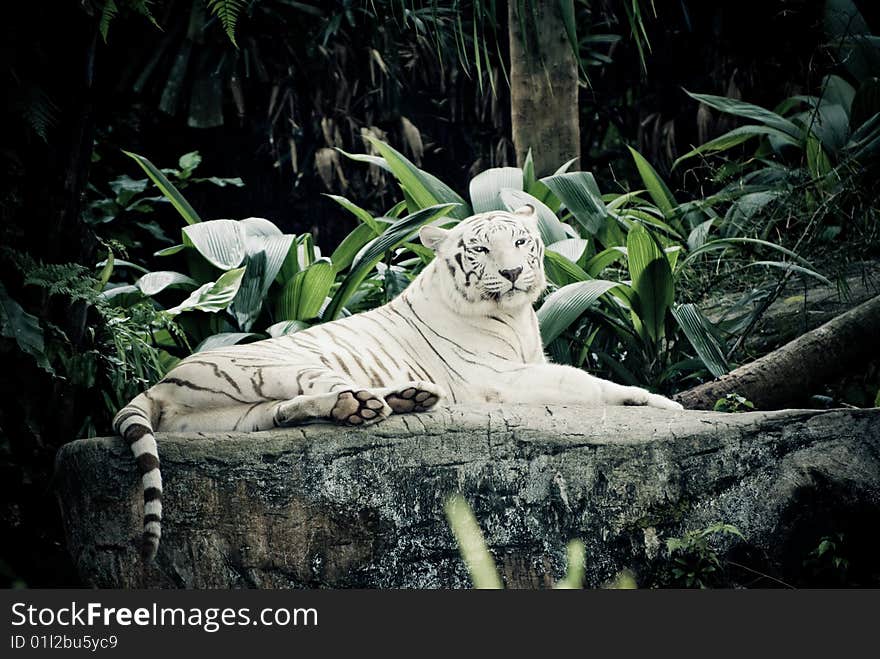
[359,408]
[663,403]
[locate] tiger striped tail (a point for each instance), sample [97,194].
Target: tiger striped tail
[134,423]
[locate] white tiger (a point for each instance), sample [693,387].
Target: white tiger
[464,330]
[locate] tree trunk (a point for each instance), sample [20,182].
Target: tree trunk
[787,375]
[543,86]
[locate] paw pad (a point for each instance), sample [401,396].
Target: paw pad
[355,408]
[411,399]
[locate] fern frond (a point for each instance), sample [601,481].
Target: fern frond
[228,12]
[108,13]
[142,7]
[39,111]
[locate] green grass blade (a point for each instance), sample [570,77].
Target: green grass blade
[173,195]
[471,544]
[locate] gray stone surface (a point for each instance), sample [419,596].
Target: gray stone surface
[325,506]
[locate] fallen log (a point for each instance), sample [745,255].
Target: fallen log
[787,376]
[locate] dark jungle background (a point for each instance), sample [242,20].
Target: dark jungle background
[251,108]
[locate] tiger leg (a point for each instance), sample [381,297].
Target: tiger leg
[618,394]
[547,384]
[350,405]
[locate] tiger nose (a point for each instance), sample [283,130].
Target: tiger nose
[511,274]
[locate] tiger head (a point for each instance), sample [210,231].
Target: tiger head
[490,260]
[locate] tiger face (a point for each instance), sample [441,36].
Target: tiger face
[490,260]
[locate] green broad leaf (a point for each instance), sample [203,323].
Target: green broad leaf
[221,182]
[571,248]
[651,280]
[286,327]
[126,188]
[394,282]
[376,161]
[361,214]
[866,102]
[173,195]
[397,234]
[220,242]
[424,189]
[654,296]
[169,251]
[655,185]
[736,137]
[700,334]
[213,296]
[564,306]
[260,226]
[24,329]
[267,252]
[561,270]
[120,263]
[540,191]
[749,111]
[830,123]
[486,187]
[604,259]
[351,245]
[121,295]
[106,270]
[866,139]
[189,161]
[276,250]
[641,248]
[700,234]
[224,339]
[837,91]
[580,194]
[248,302]
[551,229]
[154,283]
[303,296]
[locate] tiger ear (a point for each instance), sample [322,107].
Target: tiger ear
[432,236]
